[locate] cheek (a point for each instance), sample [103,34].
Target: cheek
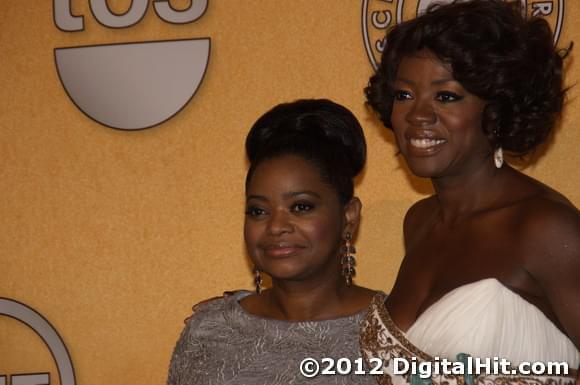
[398,121]
[468,131]
[251,236]
[397,115]
[324,232]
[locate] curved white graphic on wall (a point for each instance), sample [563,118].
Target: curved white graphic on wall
[134,85]
[379,15]
[131,86]
[47,332]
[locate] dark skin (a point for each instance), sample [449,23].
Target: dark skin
[294,228]
[482,222]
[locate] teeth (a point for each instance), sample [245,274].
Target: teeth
[426,143]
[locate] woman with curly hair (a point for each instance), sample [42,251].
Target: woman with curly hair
[492,263]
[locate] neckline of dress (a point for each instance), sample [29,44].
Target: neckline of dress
[449,294]
[461,288]
[403,337]
[400,336]
[244,293]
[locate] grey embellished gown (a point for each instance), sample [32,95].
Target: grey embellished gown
[223,344]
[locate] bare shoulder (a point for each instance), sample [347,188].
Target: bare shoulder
[419,211]
[547,212]
[541,213]
[548,238]
[549,227]
[416,216]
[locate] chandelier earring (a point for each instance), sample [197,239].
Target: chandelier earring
[257,280]
[348,260]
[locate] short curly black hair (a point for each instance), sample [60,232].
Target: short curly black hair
[496,54]
[323,132]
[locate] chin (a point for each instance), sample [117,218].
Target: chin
[425,168]
[283,272]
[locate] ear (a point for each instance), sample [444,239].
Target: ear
[351,216]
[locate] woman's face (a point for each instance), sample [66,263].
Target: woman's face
[437,123]
[294,221]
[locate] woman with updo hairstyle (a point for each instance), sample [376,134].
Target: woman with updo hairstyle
[301,220]
[492,259]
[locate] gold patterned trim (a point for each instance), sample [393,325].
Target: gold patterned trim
[398,333]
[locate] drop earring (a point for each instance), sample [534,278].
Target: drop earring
[257,280]
[498,157]
[348,260]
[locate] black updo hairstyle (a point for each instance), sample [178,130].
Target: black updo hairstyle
[320,131]
[496,54]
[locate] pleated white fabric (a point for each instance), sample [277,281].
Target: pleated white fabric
[486,319]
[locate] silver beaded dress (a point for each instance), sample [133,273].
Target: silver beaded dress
[223,344]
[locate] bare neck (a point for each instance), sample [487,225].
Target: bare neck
[469,192]
[301,301]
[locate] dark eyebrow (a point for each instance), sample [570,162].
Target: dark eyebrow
[435,82]
[288,195]
[294,194]
[256,197]
[403,80]
[443,81]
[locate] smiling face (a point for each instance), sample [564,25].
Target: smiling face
[437,123]
[294,221]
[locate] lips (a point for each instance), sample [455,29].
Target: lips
[424,143]
[280,250]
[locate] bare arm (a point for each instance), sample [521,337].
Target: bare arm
[553,249]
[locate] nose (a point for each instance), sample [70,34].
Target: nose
[421,113]
[279,223]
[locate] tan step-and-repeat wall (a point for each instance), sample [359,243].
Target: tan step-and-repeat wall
[109,235]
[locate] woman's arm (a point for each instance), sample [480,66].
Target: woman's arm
[552,252]
[182,358]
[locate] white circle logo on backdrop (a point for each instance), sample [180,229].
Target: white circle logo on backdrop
[131,86]
[379,15]
[55,344]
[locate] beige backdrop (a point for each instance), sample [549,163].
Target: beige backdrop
[113,235]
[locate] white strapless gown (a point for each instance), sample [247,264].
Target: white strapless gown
[486,319]
[483,319]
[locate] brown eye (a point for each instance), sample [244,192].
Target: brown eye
[254,211]
[302,207]
[402,95]
[448,97]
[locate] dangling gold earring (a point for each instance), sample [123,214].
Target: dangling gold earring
[348,260]
[257,280]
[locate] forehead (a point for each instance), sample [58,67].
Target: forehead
[423,63]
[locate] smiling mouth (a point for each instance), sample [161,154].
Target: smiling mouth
[280,251]
[426,143]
